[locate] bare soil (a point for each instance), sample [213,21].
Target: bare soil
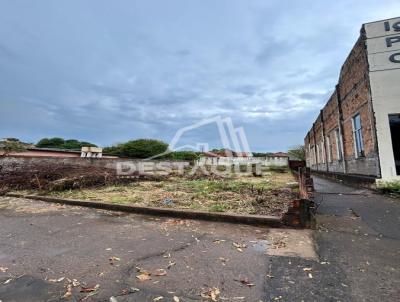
[270,194]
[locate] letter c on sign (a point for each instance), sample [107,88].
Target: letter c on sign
[395,58]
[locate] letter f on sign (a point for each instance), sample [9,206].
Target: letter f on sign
[391,40]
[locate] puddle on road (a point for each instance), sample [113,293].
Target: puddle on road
[288,243]
[261,246]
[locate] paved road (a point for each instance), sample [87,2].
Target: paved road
[360,233]
[41,243]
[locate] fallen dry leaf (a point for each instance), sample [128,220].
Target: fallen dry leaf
[158,298]
[175,221]
[307,269]
[278,245]
[212,294]
[75,283]
[161,272]
[238,245]
[68,293]
[56,280]
[3,269]
[114,259]
[95,292]
[218,241]
[143,277]
[170,264]
[223,260]
[176,299]
[88,289]
[245,281]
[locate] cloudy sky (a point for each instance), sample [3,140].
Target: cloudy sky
[110,71]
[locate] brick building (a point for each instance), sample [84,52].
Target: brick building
[357,133]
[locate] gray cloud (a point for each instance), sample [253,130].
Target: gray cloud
[108,72]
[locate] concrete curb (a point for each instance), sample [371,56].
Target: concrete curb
[272,221]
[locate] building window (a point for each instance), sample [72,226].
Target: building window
[329,147]
[339,147]
[312,155]
[357,135]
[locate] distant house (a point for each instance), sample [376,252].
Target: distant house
[227,153]
[280,154]
[229,157]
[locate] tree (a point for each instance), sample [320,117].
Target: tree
[71,144]
[298,152]
[262,154]
[113,150]
[75,144]
[140,148]
[60,143]
[55,142]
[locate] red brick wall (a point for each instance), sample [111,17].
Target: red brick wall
[351,97]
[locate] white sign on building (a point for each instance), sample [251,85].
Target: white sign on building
[383,48]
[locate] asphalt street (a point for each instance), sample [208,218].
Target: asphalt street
[51,252]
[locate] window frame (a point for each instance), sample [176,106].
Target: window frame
[339,146]
[329,145]
[359,149]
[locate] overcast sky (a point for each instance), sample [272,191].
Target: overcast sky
[110,71]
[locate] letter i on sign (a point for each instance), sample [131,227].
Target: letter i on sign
[387,26]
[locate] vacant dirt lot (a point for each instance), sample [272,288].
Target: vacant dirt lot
[270,194]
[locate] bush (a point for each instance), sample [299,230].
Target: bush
[145,148]
[183,155]
[140,148]
[390,187]
[12,146]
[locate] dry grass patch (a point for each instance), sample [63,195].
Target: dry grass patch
[267,195]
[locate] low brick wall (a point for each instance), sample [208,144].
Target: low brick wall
[302,211]
[10,163]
